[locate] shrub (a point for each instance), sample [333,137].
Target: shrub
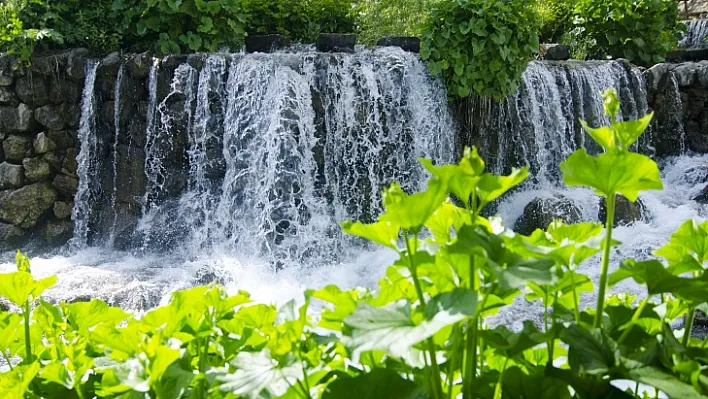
[480,45]
[379,18]
[15,37]
[556,18]
[641,31]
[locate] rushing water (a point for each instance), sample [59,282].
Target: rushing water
[251,160]
[696,33]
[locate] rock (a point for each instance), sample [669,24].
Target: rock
[63,209]
[49,117]
[70,165]
[71,113]
[63,91]
[206,275]
[658,76]
[7,96]
[172,61]
[16,148]
[26,207]
[109,65]
[702,77]
[18,119]
[686,73]
[266,43]
[11,176]
[702,198]
[76,64]
[47,65]
[541,212]
[32,89]
[336,43]
[36,169]
[66,185]
[6,80]
[626,212]
[411,44]
[58,232]
[53,160]
[66,139]
[10,238]
[43,144]
[139,65]
[557,52]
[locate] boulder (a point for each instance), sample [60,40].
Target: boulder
[11,176]
[49,117]
[63,91]
[139,65]
[70,165]
[658,76]
[65,139]
[626,212]
[6,80]
[43,144]
[336,43]
[686,73]
[53,160]
[71,113]
[410,44]
[10,237]
[541,212]
[16,148]
[702,197]
[36,169]
[266,43]
[27,206]
[66,185]
[17,119]
[57,232]
[7,96]
[32,89]
[557,52]
[63,209]
[76,64]
[109,65]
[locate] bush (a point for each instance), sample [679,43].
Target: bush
[379,18]
[422,334]
[14,37]
[300,20]
[480,45]
[641,31]
[556,18]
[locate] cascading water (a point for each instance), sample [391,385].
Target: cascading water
[696,33]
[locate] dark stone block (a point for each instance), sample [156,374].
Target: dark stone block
[336,43]
[411,44]
[266,43]
[557,52]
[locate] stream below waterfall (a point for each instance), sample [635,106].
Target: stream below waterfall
[245,164]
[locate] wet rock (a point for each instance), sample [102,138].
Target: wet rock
[48,64]
[139,65]
[18,119]
[66,185]
[32,89]
[410,44]
[109,65]
[64,91]
[11,176]
[27,206]
[172,61]
[702,197]
[49,117]
[557,52]
[541,212]
[266,43]
[7,96]
[53,160]
[336,43]
[626,212]
[36,169]
[130,180]
[43,144]
[10,238]
[70,164]
[76,63]
[686,73]
[63,209]
[206,276]
[57,232]
[658,76]
[16,148]
[5,79]
[66,139]
[107,113]
[71,114]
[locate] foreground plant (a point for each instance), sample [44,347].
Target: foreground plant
[424,333]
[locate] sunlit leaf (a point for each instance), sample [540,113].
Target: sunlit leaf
[258,372]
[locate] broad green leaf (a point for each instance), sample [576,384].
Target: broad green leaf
[391,328]
[667,383]
[58,373]
[511,343]
[174,382]
[163,357]
[410,212]
[588,387]
[86,315]
[561,291]
[462,179]
[602,135]
[14,383]
[612,172]
[691,239]
[382,232]
[491,187]
[126,376]
[447,218]
[519,385]
[19,287]
[591,352]
[22,262]
[628,132]
[344,304]
[258,372]
[380,383]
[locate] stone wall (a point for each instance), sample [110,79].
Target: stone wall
[40,109]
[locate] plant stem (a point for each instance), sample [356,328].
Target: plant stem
[498,387]
[689,326]
[436,379]
[456,332]
[599,311]
[4,355]
[635,317]
[576,309]
[28,345]
[471,350]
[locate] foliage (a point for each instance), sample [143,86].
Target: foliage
[300,20]
[556,18]
[641,31]
[15,39]
[378,18]
[423,332]
[480,45]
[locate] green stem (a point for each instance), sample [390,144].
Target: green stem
[436,379]
[28,345]
[498,387]
[453,359]
[78,392]
[552,346]
[471,350]
[635,317]
[636,390]
[4,355]
[689,327]
[576,309]
[599,311]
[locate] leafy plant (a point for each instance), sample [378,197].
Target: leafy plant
[556,18]
[480,45]
[378,18]
[641,31]
[15,38]
[423,333]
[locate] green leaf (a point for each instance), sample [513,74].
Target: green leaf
[382,232]
[86,315]
[591,388]
[690,239]
[412,211]
[591,352]
[602,135]
[15,383]
[19,287]
[206,25]
[258,372]
[510,343]
[519,385]
[628,132]
[491,187]
[612,172]
[667,383]
[22,262]
[379,383]
[58,373]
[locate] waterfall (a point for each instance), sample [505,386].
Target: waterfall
[695,36]
[87,160]
[116,136]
